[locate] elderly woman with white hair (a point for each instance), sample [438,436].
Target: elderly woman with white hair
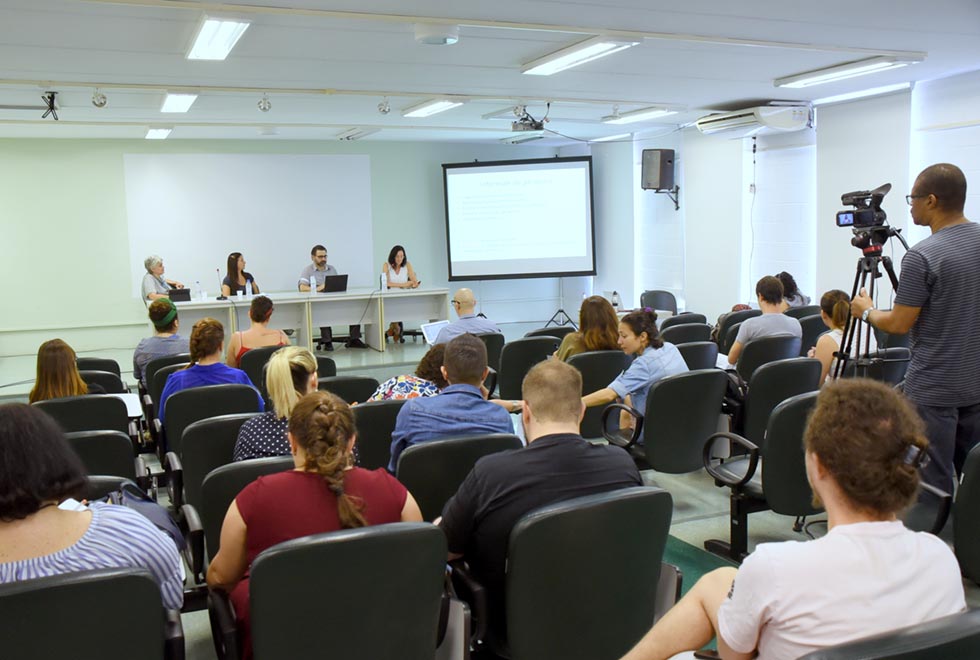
[154,284]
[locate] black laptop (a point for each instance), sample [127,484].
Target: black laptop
[334,283]
[179,295]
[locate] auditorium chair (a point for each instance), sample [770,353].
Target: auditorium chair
[686,333]
[325,367]
[730,320]
[659,299]
[352,389]
[91,412]
[598,368]
[375,421]
[108,381]
[803,311]
[887,365]
[966,517]
[558,331]
[699,354]
[98,364]
[494,341]
[887,340]
[149,371]
[253,363]
[681,319]
[156,386]
[516,359]
[109,453]
[764,350]
[771,384]
[813,327]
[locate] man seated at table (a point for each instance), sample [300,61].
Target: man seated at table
[459,410]
[465,305]
[772,322]
[314,275]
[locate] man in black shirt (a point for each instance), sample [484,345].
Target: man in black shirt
[556,465]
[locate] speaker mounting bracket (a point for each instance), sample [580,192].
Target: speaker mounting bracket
[673,194]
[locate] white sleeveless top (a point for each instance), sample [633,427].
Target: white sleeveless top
[398,278]
[838,336]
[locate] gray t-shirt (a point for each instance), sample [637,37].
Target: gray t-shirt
[768,325]
[154,284]
[155,347]
[941,275]
[319,275]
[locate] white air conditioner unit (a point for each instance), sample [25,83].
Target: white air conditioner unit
[753,121]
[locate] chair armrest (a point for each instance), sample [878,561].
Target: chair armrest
[173,636]
[724,478]
[144,478]
[223,629]
[942,511]
[133,429]
[617,440]
[193,532]
[473,594]
[175,479]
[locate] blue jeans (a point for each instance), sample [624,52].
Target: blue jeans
[952,433]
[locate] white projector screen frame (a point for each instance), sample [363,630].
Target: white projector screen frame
[541,237]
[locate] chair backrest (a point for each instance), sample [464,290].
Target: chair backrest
[104,452]
[731,319]
[433,471]
[966,513]
[222,486]
[687,333]
[953,636]
[100,485]
[494,342]
[887,340]
[325,367]
[763,350]
[783,468]
[659,299]
[46,617]
[682,318]
[373,592]
[729,338]
[156,364]
[107,380]
[558,331]
[803,311]
[89,412]
[253,363]
[699,354]
[681,414]
[813,326]
[375,421]
[196,403]
[98,364]
[159,381]
[585,595]
[599,368]
[517,358]
[208,444]
[772,384]
[889,366]
[352,389]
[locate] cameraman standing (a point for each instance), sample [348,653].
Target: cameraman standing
[938,300]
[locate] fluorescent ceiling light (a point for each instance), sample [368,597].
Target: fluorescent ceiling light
[580,53]
[356,133]
[215,38]
[844,71]
[178,102]
[860,94]
[523,136]
[158,133]
[431,107]
[612,138]
[642,114]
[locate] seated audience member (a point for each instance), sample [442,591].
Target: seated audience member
[460,409]
[655,359]
[165,340]
[236,278]
[835,309]
[289,376]
[771,323]
[792,296]
[738,307]
[155,285]
[868,575]
[556,465]
[325,493]
[39,471]
[468,322]
[258,334]
[598,329]
[427,380]
[57,374]
[206,346]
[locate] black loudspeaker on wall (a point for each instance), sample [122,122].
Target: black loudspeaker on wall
[658,169]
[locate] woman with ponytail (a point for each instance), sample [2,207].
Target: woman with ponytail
[324,493]
[835,309]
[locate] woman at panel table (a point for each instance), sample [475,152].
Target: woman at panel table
[258,334]
[57,374]
[236,277]
[324,493]
[155,285]
[598,329]
[399,274]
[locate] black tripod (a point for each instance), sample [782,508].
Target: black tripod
[561,318]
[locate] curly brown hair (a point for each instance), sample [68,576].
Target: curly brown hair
[641,321]
[430,366]
[207,336]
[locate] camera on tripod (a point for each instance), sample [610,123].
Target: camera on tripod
[867,211]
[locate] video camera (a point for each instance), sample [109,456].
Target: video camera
[867,211]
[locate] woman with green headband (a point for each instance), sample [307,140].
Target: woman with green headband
[165,341]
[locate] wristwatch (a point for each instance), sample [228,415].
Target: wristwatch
[866,314]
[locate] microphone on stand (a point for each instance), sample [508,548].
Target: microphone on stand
[220,296]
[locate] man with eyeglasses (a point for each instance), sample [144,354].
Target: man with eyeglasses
[314,276]
[465,305]
[938,303]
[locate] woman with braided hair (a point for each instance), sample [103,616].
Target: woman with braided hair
[324,493]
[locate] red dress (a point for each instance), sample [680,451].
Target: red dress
[289,505]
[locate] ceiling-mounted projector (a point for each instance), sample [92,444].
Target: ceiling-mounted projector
[526,123]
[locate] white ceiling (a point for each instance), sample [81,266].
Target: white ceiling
[327,66]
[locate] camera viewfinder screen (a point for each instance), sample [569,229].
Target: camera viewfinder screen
[845,219]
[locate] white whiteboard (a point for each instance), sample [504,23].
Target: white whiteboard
[195,209]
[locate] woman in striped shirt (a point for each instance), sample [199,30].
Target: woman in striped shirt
[42,534]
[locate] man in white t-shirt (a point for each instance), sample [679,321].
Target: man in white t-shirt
[868,575]
[772,322]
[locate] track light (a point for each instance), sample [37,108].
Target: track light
[384,107]
[98,99]
[264,103]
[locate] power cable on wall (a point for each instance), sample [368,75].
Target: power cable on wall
[752,191]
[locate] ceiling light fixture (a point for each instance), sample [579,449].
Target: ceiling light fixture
[642,114]
[613,138]
[215,38]
[580,53]
[356,133]
[431,107]
[385,106]
[99,99]
[178,102]
[863,93]
[158,133]
[844,71]
[264,103]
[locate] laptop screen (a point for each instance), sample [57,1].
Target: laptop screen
[431,330]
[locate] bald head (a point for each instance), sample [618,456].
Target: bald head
[465,301]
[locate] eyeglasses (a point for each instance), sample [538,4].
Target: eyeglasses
[909,198]
[455,302]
